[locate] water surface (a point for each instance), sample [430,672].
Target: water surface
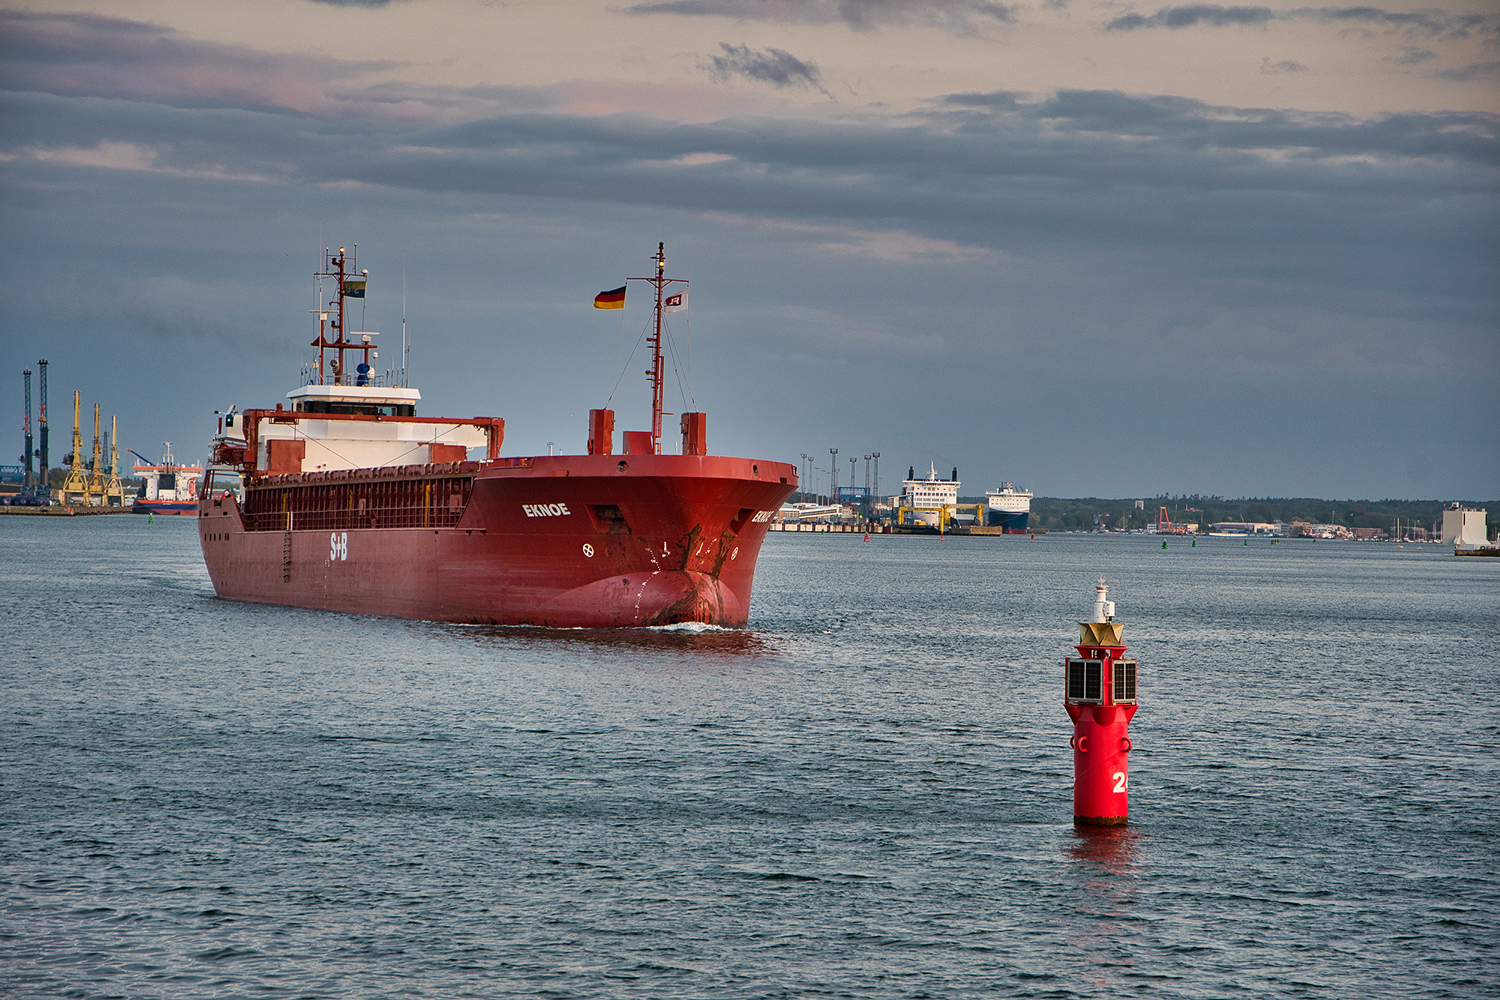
[865,794]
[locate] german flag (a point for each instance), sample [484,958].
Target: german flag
[612,299]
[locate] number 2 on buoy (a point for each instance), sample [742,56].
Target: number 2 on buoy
[1121,785]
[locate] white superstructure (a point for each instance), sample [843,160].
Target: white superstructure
[169,482]
[1235,529]
[1009,500]
[809,512]
[931,500]
[1464,527]
[300,442]
[931,493]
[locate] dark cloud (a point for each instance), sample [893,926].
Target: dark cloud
[774,66]
[1430,22]
[959,16]
[1411,55]
[1463,74]
[1192,16]
[1243,272]
[1434,22]
[1277,66]
[87,54]
[1002,99]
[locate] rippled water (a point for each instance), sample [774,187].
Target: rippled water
[868,794]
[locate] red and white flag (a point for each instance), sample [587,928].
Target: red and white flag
[677,300]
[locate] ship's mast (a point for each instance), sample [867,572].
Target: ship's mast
[341,268]
[657,374]
[658,371]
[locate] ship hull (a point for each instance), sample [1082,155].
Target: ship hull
[1014,522]
[185,507]
[570,541]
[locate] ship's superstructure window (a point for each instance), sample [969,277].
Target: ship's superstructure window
[357,409]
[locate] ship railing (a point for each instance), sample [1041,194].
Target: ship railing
[378,380]
[435,501]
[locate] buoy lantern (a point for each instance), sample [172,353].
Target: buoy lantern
[1099,694]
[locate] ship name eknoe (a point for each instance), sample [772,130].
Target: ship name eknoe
[545,509]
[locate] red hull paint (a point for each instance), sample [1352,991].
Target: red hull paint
[685,553]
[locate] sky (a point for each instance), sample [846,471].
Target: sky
[1091,248]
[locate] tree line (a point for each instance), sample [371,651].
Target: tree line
[1088,513]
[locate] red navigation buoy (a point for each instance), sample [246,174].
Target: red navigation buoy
[1099,694]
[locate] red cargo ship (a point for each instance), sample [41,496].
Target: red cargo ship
[353,503]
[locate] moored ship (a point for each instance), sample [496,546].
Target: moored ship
[352,502]
[927,504]
[169,488]
[1008,508]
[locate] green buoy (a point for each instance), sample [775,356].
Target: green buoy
[1163,544]
[1247,541]
[1195,543]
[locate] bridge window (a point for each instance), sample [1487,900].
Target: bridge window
[357,409]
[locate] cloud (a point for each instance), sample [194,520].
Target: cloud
[84,54]
[774,66]
[1007,100]
[1430,22]
[814,330]
[896,245]
[1192,16]
[107,155]
[1340,197]
[1234,266]
[1411,55]
[963,17]
[1433,22]
[1463,74]
[1270,67]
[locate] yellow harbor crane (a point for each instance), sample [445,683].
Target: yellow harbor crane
[96,468]
[114,490]
[76,488]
